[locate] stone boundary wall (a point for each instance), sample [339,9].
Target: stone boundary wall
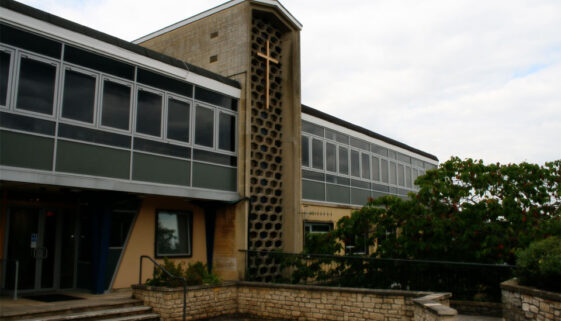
[296,302]
[523,303]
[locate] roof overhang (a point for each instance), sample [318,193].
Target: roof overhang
[271,3]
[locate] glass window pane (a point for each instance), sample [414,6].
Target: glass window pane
[149,113]
[178,120]
[355,163]
[305,151]
[79,96]
[393,173]
[116,105]
[375,168]
[408,177]
[227,132]
[172,234]
[401,175]
[384,170]
[343,161]
[204,127]
[317,154]
[331,157]
[36,88]
[414,175]
[4,74]
[365,165]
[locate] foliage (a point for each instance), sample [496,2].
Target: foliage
[195,274]
[469,211]
[540,264]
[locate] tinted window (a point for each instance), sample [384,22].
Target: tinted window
[4,74]
[365,165]
[375,168]
[36,89]
[178,120]
[29,41]
[355,163]
[401,175]
[79,96]
[215,98]
[331,157]
[305,151]
[358,143]
[393,173]
[149,113]
[116,105]
[379,150]
[312,128]
[98,62]
[343,160]
[164,82]
[384,170]
[317,154]
[227,132]
[204,127]
[408,176]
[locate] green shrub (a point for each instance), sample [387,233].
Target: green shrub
[195,274]
[540,264]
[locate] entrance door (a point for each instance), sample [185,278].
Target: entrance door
[34,241]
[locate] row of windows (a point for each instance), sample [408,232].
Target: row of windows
[340,138]
[97,99]
[341,160]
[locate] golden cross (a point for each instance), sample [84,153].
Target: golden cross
[268,58]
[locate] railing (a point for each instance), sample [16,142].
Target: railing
[156,264]
[467,281]
[16,276]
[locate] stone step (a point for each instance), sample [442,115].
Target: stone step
[136,317]
[96,314]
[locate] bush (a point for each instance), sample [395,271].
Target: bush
[540,264]
[195,274]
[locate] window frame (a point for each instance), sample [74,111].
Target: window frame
[310,223]
[56,92]
[11,72]
[191,123]
[214,127]
[132,104]
[217,113]
[189,215]
[96,103]
[139,88]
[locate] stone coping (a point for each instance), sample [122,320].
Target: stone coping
[404,293]
[512,285]
[431,303]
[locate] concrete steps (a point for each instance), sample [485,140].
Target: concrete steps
[121,310]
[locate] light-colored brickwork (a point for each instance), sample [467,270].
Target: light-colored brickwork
[522,303]
[297,302]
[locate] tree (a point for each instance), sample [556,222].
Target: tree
[468,211]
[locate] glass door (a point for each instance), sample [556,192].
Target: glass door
[33,241]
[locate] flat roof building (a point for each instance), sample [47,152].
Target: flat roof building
[190,143]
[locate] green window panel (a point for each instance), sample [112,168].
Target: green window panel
[313,190]
[159,169]
[92,160]
[28,151]
[338,194]
[214,177]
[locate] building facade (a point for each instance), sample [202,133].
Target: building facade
[189,143]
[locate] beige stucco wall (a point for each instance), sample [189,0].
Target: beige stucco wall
[141,241]
[317,212]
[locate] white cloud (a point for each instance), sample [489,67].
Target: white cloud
[476,79]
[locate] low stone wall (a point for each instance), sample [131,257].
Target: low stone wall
[522,303]
[203,301]
[296,302]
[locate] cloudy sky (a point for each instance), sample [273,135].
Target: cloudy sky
[478,79]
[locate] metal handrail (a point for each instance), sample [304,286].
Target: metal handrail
[168,274]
